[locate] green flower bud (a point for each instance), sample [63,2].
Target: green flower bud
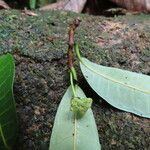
[80,105]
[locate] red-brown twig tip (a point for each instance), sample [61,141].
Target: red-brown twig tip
[71,33]
[77,22]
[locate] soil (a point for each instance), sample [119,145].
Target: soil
[39,47]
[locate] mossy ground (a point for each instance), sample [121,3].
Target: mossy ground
[39,46]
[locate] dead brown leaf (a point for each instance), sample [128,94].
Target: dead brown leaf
[3,5]
[134,5]
[29,12]
[71,5]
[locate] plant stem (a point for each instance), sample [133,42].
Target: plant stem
[32,4]
[73,75]
[72,85]
[77,50]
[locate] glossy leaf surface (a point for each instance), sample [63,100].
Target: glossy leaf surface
[8,123]
[125,90]
[70,133]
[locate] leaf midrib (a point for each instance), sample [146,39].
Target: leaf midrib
[75,133]
[111,79]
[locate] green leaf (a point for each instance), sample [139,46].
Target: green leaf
[70,133]
[8,123]
[45,2]
[122,89]
[32,4]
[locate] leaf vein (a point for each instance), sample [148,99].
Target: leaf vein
[113,80]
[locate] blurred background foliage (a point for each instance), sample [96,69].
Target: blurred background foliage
[28,3]
[94,7]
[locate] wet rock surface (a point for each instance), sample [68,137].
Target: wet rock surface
[39,47]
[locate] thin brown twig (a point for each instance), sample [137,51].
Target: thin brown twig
[71,33]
